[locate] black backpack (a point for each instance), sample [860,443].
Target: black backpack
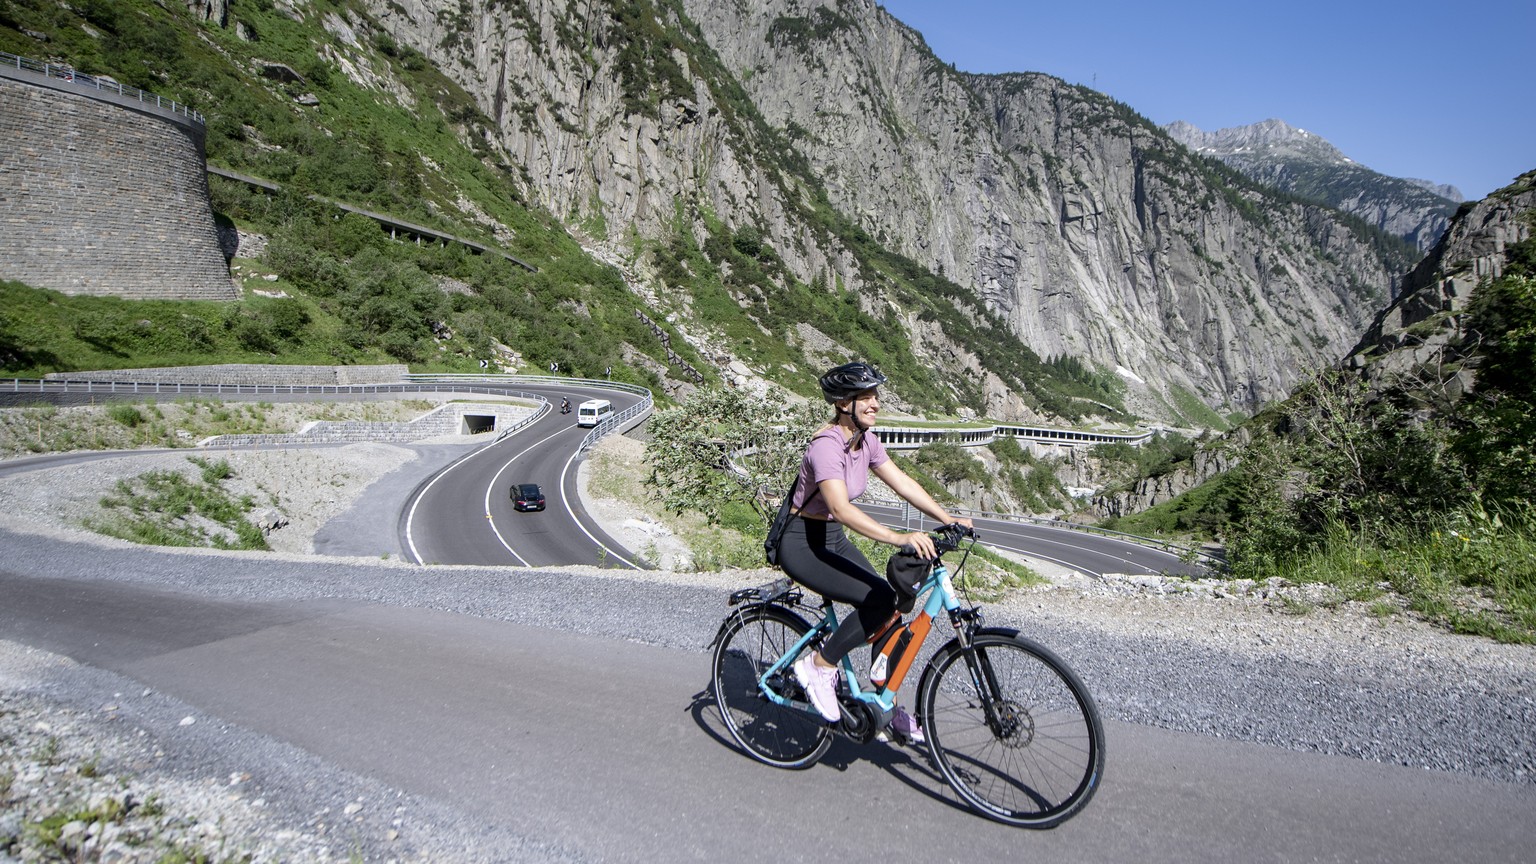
[781,522]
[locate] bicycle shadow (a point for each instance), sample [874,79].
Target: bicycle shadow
[912,766]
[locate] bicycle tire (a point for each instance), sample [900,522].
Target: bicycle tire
[779,735]
[1042,762]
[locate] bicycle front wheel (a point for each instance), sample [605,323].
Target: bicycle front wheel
[776,734]
[1026,746]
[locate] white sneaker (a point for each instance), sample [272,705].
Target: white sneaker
[820,683]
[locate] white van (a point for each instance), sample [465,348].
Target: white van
[593,412]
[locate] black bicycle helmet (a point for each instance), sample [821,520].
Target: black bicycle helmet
[849,380]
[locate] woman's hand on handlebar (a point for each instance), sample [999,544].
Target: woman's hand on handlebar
[920,544]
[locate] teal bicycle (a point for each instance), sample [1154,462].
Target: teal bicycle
[1010,726]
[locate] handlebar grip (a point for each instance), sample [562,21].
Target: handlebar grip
[947,538]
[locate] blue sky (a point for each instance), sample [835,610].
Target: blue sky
[1442,91]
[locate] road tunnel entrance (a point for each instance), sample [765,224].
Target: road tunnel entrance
[474,424]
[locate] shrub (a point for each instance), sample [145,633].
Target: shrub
[164,508]
[126,415]
[950,464]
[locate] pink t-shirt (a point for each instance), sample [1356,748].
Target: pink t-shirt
[828,458]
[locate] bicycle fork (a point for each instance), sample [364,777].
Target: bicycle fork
[1001,718]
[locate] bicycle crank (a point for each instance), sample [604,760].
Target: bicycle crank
[859,721]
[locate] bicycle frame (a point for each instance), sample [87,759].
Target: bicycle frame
[1020,742]
[937,593]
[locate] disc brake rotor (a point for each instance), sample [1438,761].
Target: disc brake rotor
[1014,726]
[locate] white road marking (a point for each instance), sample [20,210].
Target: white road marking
[612,554]
[495,482]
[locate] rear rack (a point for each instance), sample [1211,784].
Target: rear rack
[782,590]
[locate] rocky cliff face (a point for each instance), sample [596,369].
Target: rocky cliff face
[1295,160]
[1416,343]
[1087,228]
[1425,319]
[610,123]
[1094,233]
[548,75]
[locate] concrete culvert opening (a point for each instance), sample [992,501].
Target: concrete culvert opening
[474,424]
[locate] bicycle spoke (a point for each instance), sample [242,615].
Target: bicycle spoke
[1035,757]
[773,733]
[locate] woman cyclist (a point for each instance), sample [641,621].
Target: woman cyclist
[815,551]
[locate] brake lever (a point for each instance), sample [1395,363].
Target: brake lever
[955,530]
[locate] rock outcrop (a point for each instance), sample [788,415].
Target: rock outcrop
[215,12]
[1426,318]
[1148,492]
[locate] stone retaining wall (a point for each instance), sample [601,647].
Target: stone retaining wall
[96,198]
[441,421]
[270,374]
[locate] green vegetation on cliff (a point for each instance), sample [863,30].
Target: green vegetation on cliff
[1408,486]
[414,145]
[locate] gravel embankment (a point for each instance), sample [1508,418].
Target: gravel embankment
[1342,682]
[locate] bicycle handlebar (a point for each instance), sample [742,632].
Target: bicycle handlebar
[945,539]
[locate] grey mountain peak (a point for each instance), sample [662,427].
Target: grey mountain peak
[1303,163]
[1444,190]
[1270,139]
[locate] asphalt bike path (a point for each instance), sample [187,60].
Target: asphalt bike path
[612,749]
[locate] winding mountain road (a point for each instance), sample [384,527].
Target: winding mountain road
[464,514]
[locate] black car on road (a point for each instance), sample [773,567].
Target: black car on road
[527,496]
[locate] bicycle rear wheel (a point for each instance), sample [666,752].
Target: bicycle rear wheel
[1037,757]
[776,734]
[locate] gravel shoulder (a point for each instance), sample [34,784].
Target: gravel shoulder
[1338,680]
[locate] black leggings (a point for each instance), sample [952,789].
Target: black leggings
[820,556]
